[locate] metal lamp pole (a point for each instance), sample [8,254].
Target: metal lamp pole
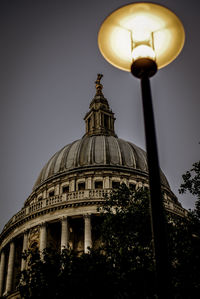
[141,37]
[143,69]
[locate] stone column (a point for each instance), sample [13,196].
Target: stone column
[107,182]
[43,236]
[9,279]
[25,247]
[72,185]
[2,269]
[57,189]
[64,233]
[89,183]
[87,233]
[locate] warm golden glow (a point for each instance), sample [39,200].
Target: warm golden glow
[147,26]
[143,51]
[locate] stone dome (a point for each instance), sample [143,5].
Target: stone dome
[102,151]
[99,148]
[62,209]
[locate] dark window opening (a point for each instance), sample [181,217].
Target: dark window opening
[89,124]
[39,198]
[106,121]
[52,193]
[81,186]
[115,185]
[65,189]
[98,185]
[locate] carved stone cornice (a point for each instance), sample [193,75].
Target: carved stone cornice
[47,211]
[87,216]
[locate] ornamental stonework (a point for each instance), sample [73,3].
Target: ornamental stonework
[62,208]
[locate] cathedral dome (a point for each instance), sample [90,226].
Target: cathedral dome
[61,210]
[102,151]
[99,148]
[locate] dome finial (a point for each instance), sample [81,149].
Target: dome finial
[100,119]
[99,86]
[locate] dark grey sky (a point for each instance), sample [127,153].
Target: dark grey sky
[49,59]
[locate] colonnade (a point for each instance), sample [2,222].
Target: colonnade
[6,275]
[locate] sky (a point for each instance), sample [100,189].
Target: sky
[49,60]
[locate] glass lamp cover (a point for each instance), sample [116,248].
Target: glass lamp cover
[141,24]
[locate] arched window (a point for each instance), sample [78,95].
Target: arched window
[51,193]
[81,186]
[98,185]
[65,189]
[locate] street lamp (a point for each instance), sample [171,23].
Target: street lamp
[141,38]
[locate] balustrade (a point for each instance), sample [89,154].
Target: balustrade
[78,195]
[53,200]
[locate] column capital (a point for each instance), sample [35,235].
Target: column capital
[87,216]
[43,224]
[64,218]
[11,240]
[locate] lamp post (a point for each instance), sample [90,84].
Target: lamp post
[141,38]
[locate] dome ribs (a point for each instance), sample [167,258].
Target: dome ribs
[80,150]
[99,150]
[47,168]
[93,151]
[127,154]
[52,167]
[70,159]
[64,157]
[107,153]
[115,156]
[139,158]
[59,159]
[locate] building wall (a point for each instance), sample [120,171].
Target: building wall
[62,212]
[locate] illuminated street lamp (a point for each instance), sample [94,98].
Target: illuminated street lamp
[141,38]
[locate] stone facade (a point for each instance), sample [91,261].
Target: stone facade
[62,208]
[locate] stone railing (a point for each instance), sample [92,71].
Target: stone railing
[57,200]
[77,196]
[88,194]
[170,206]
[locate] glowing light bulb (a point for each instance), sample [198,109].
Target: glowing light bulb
[126,29]
[143,51]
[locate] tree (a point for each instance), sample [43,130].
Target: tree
[122,267]
[191,259]
[126,237]
[191,183]
[60,275]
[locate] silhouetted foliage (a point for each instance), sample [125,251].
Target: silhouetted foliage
[122,267]
[191,184]
[61,275]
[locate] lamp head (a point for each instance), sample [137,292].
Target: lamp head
[138,31]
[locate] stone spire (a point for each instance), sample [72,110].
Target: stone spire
[100,119]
